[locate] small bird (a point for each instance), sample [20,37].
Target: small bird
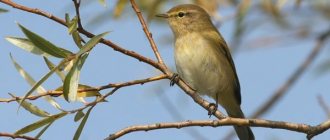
[204,62]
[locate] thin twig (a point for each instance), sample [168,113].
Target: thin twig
[118,85]
[77,6]
[147,32]
[13,136]
[311,131]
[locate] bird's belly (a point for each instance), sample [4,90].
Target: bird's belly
[200,67]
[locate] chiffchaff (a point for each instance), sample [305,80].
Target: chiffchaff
[203,60]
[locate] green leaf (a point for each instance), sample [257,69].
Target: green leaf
[71,81]
[82,124]
[77,39]
[87,93]
[3,10]
[119,8]
[70,85]
[32,108]
[44,44]
[32,82]
[50,66]
[78,116]
[43,130]
[43,79]
[91,43]
[82,93]
[67,19]
[26,45]
[40,123]
[73,25]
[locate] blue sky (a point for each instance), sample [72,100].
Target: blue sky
[261,72]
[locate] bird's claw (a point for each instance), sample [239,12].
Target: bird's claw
[212,108]
[174,79]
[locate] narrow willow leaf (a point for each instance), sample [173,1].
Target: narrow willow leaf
[87,93]
[43,79]
[73,25]
[81,92]
[67,66]
[32,108]
[26,45]
[44,44]
[3,10]
[71,81]
[50,66]
[43,130]
[70,85]
[77,39]
[91,43]
[82,124]
[40,123]
[78,116]
[32,82]
[119,8]
[67,19]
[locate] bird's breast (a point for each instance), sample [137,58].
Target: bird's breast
[200,64]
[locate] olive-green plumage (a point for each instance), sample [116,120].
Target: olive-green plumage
[203,60]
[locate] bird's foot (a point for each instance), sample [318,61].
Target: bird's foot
[174,79]
[212,108]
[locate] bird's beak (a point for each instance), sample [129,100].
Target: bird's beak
[162,15]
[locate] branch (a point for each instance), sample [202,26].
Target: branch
[311,131]
[118,85]
[146,31]
[13,136]
[77,6]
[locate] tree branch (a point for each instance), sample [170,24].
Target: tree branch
[146,31]
[118,85]
[77,6]
[311,131]
[13,136]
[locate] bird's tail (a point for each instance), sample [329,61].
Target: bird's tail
[243,132]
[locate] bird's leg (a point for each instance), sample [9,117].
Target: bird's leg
[174,79]
[213,107]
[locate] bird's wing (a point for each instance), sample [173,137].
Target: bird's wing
[223,48]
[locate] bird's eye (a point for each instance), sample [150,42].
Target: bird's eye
[181,14]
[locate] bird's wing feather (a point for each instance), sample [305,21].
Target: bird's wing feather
[223,48]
